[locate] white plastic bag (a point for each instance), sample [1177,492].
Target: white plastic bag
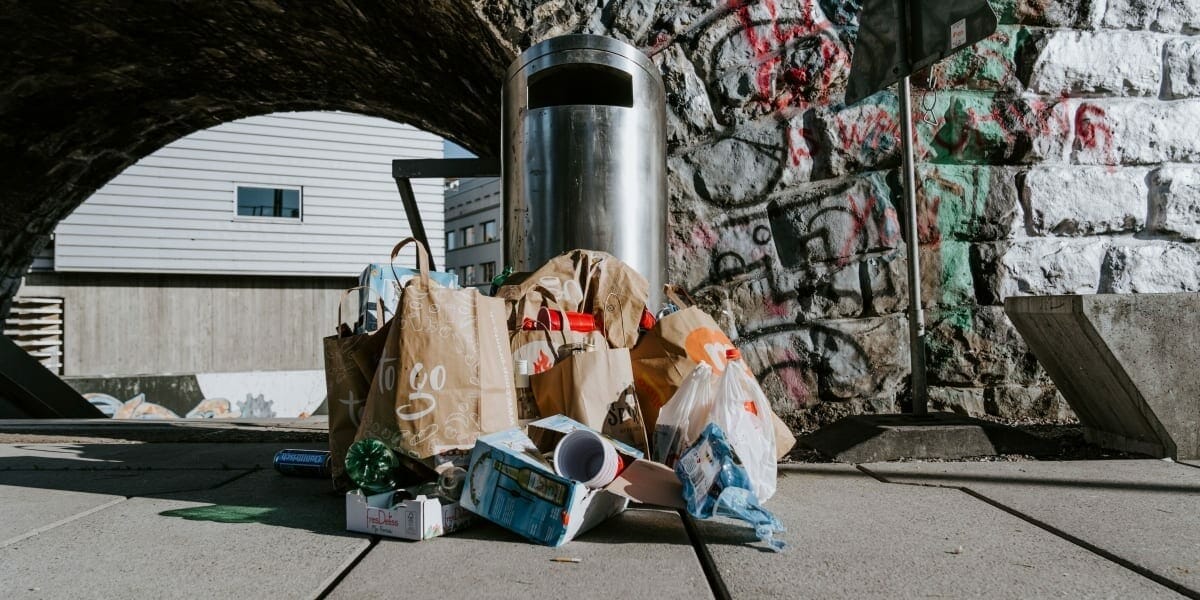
[683,417]
[742,411]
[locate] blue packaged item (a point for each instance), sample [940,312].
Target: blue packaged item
[386,281]
[715,483]
[510,483]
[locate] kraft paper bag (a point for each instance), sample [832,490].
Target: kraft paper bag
[671,349]
[453,366]
[596,389]
[350,361]
[587,281]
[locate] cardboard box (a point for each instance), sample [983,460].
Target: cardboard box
[417,519]
[511,484]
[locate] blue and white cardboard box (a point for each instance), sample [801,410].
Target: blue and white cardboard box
[512,485]
[386,282]
[419,518]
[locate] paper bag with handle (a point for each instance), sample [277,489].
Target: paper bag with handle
[350,361]
[587,281]
[595,388]
[454,372]
[672,348]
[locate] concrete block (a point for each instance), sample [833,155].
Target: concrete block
[871,438]
[967,203]
[853,537]
[946,280]
[1037,266]
[1151,268]
[1143,512]
[992,64]
[962,401]
[1137,132]
[1065,14]
[1075,201]
[863,136]
[1170,16]
[972,128]
[976,347]
[1182,65]
[1015,402]
[1175,202]
[835,221]
[1123,362]
[1108,63]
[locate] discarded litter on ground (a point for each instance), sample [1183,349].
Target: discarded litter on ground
[557,403]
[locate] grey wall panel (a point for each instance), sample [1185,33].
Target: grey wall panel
[130,324]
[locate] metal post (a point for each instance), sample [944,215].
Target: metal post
[415,224]
[916,316]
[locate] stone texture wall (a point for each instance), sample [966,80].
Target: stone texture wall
[1061,155]
[1058,156]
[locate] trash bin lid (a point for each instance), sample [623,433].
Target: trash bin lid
[581,41]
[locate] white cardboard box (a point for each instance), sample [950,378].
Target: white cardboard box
[417,519]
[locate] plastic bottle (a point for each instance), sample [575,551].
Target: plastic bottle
[371,465]
[527,409]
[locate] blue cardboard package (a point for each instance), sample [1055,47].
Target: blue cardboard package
[511,484]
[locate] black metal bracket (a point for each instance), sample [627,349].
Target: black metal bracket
[405,170]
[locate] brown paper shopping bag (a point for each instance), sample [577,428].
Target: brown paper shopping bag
[350,361]
[454,372]
[587,281]
[672,348]
[596,389]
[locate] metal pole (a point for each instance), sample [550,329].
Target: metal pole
[916,317]
[415,224]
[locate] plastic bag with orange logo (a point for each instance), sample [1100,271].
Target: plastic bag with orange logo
[743,412]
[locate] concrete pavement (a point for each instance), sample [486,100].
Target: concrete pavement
[107,519]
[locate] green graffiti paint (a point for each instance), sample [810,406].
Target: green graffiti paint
[959,194]
[222,513]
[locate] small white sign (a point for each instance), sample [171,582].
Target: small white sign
[958,33]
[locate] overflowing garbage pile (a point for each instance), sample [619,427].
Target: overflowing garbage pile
[544,408]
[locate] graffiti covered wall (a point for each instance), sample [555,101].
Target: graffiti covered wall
[1057,156]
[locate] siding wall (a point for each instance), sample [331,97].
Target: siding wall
[173,211]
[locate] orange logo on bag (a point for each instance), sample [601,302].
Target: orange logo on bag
[542,364]
[708,346]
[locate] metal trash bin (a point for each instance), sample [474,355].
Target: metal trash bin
[584,155]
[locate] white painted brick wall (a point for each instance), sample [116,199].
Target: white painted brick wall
[1175,202]
[1137,132]
[1149,267]
[1042,266]
[1172,16]
[1075,201]
[1110,63]
[1182,66]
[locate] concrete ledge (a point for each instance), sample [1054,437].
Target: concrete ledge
[1125,363]
[872,438]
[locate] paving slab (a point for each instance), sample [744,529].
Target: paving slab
[260,536]
[851,536]
[641,553]
[1146,512]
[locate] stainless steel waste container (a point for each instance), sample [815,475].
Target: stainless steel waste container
[584,147]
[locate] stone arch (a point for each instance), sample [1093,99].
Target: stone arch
[90,89]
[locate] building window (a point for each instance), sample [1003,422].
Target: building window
[489,271]
[489,231]
[468,236]
[270,202]
[451,240]
[468,275]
